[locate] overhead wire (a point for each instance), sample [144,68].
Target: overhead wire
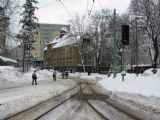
[66,9]
[100,4]
[91,8]
[47,4]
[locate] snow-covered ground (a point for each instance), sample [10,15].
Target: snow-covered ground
[143,89]
[145,84]
[11,77]
[17,93]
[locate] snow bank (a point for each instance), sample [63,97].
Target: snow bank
[10,76]
[145,84]
[93,76]
[9,73]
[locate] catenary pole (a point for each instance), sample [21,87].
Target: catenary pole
[136,48]
[114,45]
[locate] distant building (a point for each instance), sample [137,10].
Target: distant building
[3,25]
[36,52]
[15,53]
[43,35]
[67,52]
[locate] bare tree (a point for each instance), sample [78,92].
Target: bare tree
[148,13]
[77,25]
[11,12]
[78,29]
[101,35]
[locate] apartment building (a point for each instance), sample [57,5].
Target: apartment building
[43,35]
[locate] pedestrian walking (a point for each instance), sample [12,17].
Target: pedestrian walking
[63,75]
[66,74]
[34,78]
[89,73]
[54,75]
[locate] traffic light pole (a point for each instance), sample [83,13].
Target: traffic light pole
[114,46]
[125,41]
[123,63]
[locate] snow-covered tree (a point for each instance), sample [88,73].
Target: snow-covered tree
[148,14]
[101,36]
[29,23]
[10,10]
[78,28]
[77,25]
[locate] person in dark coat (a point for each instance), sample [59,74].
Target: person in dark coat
[54,75]
[34,78]
[89,73]
[66,74]
[63,74]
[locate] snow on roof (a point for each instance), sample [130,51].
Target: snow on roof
[142,65]
[8,59]
[65,40]
[64,29]
[45,48]
[54,40]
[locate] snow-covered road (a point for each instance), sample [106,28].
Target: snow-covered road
[17,93]
[17,99]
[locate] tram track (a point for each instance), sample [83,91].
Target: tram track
[121,107]
[81,105]
[85,91]
[108,102]
[100,114]
[118,108]
[35,112]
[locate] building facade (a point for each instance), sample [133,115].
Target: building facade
[36,46]
[3,25]
[70,53]
[44,34]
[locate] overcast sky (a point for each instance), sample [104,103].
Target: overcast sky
[54,11]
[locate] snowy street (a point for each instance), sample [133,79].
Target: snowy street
[19,95]
[17,99]
[74,60]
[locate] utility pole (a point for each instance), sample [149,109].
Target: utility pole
[114,46]
[136,48]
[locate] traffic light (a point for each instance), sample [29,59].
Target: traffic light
[125,34]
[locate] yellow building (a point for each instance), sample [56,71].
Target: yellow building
[69,53]
[36,51]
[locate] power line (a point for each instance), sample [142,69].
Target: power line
[91,8]
[47,4]
[66,9]
[100,4]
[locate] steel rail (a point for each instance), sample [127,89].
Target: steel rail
[99,113]
[58,105]
[40,103]
[118,108]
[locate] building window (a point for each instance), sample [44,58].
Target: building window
[87,41]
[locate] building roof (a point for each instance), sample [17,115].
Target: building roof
[64,41]
[45,48]
[8,59]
